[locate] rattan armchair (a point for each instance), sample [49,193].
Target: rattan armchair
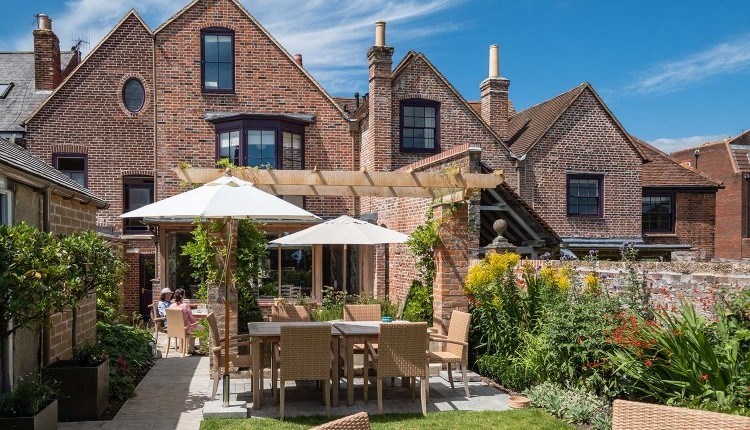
[358,421]
[305,354]
[646,416]
[236,359]
[362,312]
[290,313]
[456,346]
[176,329]
[156,322]
[402,351]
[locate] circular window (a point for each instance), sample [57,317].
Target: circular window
[133,95]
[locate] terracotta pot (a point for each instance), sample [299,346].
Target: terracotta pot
[84,391]
[46,419]
[518,402]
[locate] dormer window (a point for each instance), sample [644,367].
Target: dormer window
[217,60]
[420,126]
[5,89]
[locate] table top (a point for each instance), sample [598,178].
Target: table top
[273,329]
[358,328]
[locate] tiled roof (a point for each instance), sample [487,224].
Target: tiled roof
[349,104]
[740,147]
[665,171]
[19,158]
[23,98]
[529,125]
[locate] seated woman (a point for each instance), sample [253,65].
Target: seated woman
[187,316]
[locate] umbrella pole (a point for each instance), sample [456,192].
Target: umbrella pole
[345,277]
[227,280]
[278,257]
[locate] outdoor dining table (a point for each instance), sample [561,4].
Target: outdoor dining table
[355,332]
[270,332]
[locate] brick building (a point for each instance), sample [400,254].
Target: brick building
[727,161]
[33,192]
[212,83]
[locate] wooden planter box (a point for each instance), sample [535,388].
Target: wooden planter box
[46,419]
[84,391]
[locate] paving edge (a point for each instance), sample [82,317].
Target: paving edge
[236,409]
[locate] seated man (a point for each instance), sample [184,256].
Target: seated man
[164,302]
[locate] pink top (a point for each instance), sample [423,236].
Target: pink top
[187,316]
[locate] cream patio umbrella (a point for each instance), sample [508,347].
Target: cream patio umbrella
[343,230]
[231,199]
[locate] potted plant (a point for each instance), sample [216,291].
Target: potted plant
[83,381]
[30,406]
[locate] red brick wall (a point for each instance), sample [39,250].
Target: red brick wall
[585,139]
[458,123]
[267,80]
[87,112]
[715,161]
[695,221]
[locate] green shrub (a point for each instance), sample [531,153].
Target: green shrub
[27,399]
[129,356]
[575,405]
[685,359]
[418,304]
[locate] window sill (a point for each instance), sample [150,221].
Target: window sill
[419,151]
[136,236]
[656,234]
[586,217]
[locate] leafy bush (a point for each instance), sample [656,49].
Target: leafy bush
[575,405]
[685,359]
[129,356]
[546,327]
[332,305]
[422,244]
[418,305]
[27,399]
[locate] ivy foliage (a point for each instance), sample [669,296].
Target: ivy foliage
[422,244]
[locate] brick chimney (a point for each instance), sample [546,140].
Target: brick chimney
[46,55]
[494,91]
[298,59]
[376,152]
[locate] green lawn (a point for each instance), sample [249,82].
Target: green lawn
[528,419]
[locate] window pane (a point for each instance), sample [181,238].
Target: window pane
[226,71]
[408,121]
[429,112]
[408,132]
[225,49]
[71,163]
[211,76]
[210,48]
[429,143]
[419,111]
[583,196]
[138,198]
[4,213]
[408,111]
[134,95]
[408,142]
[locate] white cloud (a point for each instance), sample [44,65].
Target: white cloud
[332,35]
[721,59]
[671,144]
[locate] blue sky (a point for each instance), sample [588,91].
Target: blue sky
[674,72]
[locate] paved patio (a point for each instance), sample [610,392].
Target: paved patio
[173,394]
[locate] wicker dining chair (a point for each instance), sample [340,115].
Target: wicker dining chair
[156,322]
[628,415]
[402,351]
[176,330]
[236,358]
[305,354]
[456,347]
[358,421]
[362,312]
[290,313]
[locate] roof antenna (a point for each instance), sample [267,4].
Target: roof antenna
[79,41]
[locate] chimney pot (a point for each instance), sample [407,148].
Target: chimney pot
[380,33]
[494,62]
[45,23]
[298,59]
[356,100]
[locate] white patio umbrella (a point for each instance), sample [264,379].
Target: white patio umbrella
[229,198]
[343,230]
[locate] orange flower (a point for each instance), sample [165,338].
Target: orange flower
[704,377]
[648,363]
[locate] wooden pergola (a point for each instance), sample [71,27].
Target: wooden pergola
[451,183]
[448,186]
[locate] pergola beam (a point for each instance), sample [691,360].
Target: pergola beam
[364,181]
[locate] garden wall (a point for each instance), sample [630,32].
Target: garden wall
[670,282]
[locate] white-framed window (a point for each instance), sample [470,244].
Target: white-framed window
[6,207]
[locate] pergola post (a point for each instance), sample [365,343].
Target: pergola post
[452,260]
